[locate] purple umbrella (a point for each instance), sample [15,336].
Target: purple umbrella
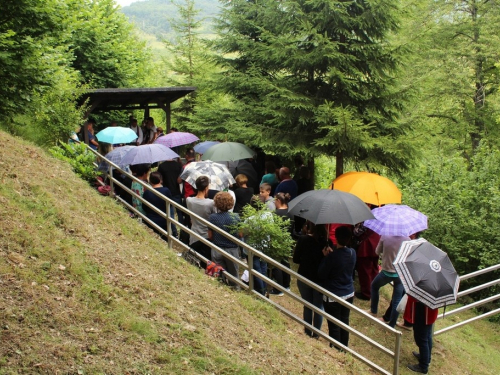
[148,154]
[397,220]
[176,139]
[201,147]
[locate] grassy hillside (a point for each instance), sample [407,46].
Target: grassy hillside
[84,289]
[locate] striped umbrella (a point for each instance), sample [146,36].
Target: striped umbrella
[220,177]
[427,273]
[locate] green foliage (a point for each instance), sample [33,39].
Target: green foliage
[266,232]
[79,157]
[462,204]
[292,78]
[106,51]
[27,31]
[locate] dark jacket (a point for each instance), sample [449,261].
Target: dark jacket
[308,255]
[335,271]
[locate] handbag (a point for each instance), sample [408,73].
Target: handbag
[402,304]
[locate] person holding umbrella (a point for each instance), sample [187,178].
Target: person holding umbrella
[388,248]
[422,318]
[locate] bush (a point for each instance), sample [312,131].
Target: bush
[266,232]
[79,157]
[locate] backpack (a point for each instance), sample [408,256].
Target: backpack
[213,269]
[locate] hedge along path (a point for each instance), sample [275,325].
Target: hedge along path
[85,289]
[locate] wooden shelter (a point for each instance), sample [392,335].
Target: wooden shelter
[103,100]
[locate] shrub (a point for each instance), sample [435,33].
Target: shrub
[79,157]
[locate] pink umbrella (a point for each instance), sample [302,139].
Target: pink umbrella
[176,139]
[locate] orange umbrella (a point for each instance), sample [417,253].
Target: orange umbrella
[369,187]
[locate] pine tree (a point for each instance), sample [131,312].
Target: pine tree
[295,67]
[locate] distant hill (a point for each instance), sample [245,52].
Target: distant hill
[153,16]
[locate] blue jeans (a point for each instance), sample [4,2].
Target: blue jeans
[422,333]
[377,283]
[315,298]
[172,225]
[260,266]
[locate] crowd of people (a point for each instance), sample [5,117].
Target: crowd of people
[327,254]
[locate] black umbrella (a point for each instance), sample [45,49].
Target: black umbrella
[330,206]
[427,273]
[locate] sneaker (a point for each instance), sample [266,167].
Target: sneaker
[275,292]
[416,368]
[416,355]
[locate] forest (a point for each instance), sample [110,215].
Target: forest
[407,89]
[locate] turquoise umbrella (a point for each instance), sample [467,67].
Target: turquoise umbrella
[116,135]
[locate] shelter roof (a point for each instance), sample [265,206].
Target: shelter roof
[133,98]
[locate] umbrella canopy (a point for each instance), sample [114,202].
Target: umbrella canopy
[176,139]
[202,147]
[116,157]
[245,167]
[228,151]
[220,177]
[116,135]
[427,273]
[397,220]
[369,187]
[329,206]
[148,154]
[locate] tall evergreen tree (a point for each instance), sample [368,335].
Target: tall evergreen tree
[314,77]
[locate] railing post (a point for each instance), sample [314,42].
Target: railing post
[111,184]
[250,269]
[397,352]
[169,225]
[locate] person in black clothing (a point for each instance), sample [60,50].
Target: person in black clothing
[243,193]
[308,254]
[156,182]
[170,170]
[335,274]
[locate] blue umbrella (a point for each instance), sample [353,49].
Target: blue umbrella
[148,154]
[115,156]
[201,147]
[116,135]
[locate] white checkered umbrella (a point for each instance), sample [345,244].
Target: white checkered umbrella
[427,273]
[220,177]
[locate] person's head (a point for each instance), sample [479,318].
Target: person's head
[202,183]
[173,130]
[150,122]
[241,180]
[159,130]
[133,122]
[284,173]
[223,201]
[113,123]
[155,178]
[343,235]
[281,199]
[270,167]
[264,191]
[190,154]
[90,125]
[319,231]
[141,170]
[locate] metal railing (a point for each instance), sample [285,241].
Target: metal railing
[394,354]
[473,304]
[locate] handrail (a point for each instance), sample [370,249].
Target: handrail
[253,273]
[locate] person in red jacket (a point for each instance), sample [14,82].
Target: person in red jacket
[423,318]
[366,260]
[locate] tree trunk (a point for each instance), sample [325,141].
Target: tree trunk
[339,163]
